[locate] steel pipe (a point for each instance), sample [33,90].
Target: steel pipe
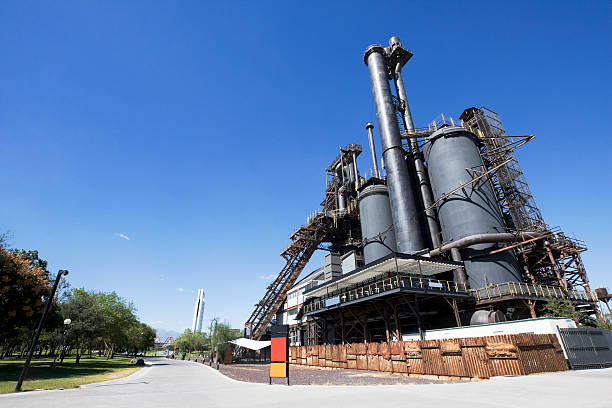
[484,239]
[417,155]
[403,204]
[459,275]
[369,128]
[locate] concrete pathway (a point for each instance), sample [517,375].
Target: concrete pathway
[172,383]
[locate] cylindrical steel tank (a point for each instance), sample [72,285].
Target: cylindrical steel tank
[453,160]
[403,206]
[376,222]
[487,317]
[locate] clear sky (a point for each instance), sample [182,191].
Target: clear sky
[200,130]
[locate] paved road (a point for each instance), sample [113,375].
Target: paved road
[171,383]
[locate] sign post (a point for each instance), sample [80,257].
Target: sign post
[279,352]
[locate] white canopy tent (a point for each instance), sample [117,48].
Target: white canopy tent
[251,344]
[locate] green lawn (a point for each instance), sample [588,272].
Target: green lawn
[70,375]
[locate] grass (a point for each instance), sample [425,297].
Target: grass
[69,375]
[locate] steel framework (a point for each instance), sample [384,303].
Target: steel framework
[337,223]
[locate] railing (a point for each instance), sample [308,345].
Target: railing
[529,290]
[413,282]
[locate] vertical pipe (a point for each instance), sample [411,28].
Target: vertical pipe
[417,155]
[355,169]
[369,128]
[459,273]
[403,205]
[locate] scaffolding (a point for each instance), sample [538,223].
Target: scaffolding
[553,258]
[515,198]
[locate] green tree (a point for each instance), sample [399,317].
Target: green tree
[605,323]
[140,337]
[221,334]
[560,308]
[564,308]
[120,315]
[88,320]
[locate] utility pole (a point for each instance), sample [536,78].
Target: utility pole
[26,366]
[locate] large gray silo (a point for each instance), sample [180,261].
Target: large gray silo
[376,222]
[453,160]
[401,195]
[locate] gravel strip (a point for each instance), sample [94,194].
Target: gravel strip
[301,375]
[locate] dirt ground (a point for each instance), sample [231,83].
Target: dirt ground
[300,375]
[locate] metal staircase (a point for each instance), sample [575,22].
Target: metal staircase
[304,242]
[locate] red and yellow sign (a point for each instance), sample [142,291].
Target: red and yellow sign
[279,353]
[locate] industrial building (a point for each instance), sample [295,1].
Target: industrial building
[444,232]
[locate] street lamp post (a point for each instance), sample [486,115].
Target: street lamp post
[26,366]
[66,323]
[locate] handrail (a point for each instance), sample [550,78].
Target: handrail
[519,289]
[387,284]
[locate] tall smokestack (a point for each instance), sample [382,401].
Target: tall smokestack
[403,205]
[399,56]
[369,128]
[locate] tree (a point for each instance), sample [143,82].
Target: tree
[564,308]
[605,323]
[24,288]
[120,316]
[222,333]
[88,320]
[560,308]
[140,337]
[192,341]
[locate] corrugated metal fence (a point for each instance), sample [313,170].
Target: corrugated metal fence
[587,348]
[481,357]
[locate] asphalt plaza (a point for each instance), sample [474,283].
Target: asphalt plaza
[175,383]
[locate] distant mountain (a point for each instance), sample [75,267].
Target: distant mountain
[163,333]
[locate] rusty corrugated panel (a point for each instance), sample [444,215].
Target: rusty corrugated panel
[428,343]
[397,347]
[362,362]
[361,348]
[351,356]
[414,365]
[336,355]
[476,361]
[329,355]
[342,355]
[452,358]
[385,357]
[432,361]
[399,366]
[322,362]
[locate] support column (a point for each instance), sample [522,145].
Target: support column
[553,262]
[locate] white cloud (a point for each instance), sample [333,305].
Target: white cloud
[155,322]
[120,235]
[268,277]
[180,289]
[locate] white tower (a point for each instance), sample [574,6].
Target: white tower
[198,312]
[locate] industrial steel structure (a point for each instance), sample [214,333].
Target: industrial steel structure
[446,234]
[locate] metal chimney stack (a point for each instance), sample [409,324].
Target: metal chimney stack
[403,201]
[369,128]
[398,56]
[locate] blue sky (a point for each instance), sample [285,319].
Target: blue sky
[200,131]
